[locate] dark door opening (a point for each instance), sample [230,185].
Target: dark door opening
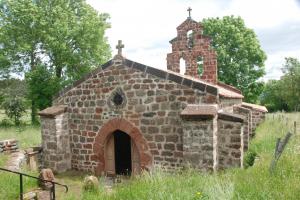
[122,153]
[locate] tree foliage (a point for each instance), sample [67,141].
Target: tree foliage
[12,87]
[42,85]
[272,97]
[284,94]
[240,57]
[66,37]
[14,109]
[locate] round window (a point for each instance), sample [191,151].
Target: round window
[117,99]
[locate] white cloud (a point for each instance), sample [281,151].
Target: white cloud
[275,62]
[264,14]
[147,26]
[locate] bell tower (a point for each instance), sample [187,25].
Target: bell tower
[194,49]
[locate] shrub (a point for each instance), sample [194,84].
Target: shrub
[6,123]
[249,158]
[14,109]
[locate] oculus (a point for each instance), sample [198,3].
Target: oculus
[117,99]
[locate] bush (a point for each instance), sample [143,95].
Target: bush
[14,109]
[6,123]
[249,158]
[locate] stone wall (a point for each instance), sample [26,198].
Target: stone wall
[257,118]
[247,113]
[56,142]
[198,143]
[150,103]
[230,141]
[227,104]
[258,115]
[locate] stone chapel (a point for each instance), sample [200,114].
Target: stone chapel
[125,116]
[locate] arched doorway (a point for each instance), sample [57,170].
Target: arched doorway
[121,155]
[105,151]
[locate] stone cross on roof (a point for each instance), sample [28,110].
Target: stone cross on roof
[120,46]
[189,10]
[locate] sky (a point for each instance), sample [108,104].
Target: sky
[146,27]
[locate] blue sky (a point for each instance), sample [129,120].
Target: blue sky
[147,26]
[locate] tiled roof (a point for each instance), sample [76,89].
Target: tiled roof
[229,93]
[53,111]
[230,117]
[163,74]
[255,106]
[199,110]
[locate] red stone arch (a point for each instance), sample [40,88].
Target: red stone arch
[123,125]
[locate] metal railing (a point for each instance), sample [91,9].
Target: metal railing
[52,190]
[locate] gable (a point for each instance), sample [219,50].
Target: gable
[161,74]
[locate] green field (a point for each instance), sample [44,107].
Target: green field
[253,183]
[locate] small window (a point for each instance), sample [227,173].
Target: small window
[118,99]
[190,39]
[182,67]
[200,65]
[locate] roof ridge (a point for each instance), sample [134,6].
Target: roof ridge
[164,74]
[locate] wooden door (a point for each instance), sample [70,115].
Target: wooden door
[110,156]
[135,159]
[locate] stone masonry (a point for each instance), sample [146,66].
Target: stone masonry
[173,120]
[257,115]
[230,140]
[190,47]
[55,138]
[247,114]
[153,106]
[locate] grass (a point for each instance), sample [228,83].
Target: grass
[253,183]
[27,136]
[3,159]
[10,185]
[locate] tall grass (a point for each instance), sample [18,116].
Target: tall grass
[9,183]
[253,183]
[27,136]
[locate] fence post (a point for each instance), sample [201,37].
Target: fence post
[53,191]
[21,186]
[295,127]
[280,145]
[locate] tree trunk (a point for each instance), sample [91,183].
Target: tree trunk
[33,106]
[33,112]
[58,71]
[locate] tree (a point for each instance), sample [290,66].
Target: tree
[284,94]
[291,83]
[14,109]
[240,57]
[64,36]
[42,84]
[272,96]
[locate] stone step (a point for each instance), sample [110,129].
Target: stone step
[30,196]
[37,194]
[43,195]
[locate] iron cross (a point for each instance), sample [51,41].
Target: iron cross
[119,47]
[189,10]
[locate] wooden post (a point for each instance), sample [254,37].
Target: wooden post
[295,127]
[280,145]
